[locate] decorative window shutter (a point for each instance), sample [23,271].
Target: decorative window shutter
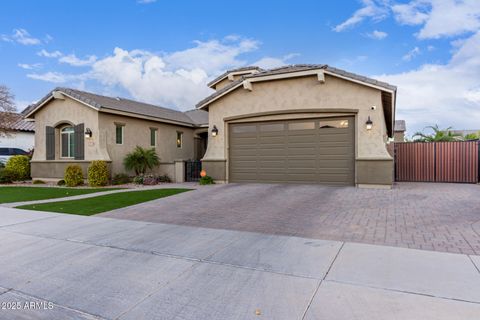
[79,141]
[50,142]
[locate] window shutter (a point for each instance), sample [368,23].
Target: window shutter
[50,142]
[79,142]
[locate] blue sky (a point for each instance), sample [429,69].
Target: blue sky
[164,52]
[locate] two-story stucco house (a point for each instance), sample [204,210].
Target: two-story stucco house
[295,124]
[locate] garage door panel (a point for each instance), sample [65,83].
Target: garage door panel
[293,152]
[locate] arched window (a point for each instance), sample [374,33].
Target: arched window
[67,138]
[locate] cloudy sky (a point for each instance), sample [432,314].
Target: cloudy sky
[164,52]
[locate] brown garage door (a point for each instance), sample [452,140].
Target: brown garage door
[296,151]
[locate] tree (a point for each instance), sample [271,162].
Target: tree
[472,136]
[140,159]
[7,109]
[438,135]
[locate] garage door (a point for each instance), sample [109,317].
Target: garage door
[297,151]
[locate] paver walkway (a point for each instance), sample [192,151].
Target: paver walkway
[429,216]
[77,267]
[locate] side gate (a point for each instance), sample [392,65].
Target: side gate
[456,161]
[192,170]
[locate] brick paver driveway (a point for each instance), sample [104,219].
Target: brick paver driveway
[440,217]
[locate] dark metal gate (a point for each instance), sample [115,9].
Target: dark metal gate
[192,170]
[437,161]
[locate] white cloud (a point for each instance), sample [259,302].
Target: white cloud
[177,79]
[445,94]
[21,36]
[272,62]
[374,9]
[440,18]
[411,54]
[73,60]
[53,54]
[412,13]
[58,77]
[27,66]
[379,35]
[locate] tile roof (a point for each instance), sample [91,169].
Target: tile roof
[120,104]
[297,68]
[400,125]
[223,75]
[199,117]
[17,123]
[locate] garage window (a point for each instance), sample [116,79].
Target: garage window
[301,126]
[325,124]
[244,129]
[272,127]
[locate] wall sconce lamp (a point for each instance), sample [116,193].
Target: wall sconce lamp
[88,133]
[369,124]
[214,131]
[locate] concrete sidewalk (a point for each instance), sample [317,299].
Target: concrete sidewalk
[101,268]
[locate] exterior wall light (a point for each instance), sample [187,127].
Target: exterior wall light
[88,133]
[214,131]
[369,124]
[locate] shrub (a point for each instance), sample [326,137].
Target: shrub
[140,160]
[6,176]
[38,182]
[97,173]
[150,180]
[138,179]
[2,165]
[206,180]
[19,166]
[61,182]
[165,178]
[121,178]
[73,176]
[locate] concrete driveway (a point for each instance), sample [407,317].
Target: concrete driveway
[74,267]
[429,216]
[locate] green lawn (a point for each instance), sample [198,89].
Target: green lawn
[94,205]
[18,194]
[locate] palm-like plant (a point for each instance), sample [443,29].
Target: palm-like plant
[140,160]
[438,135]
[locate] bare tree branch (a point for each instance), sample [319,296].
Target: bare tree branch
[7,109]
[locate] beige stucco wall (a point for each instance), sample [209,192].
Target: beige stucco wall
[102,145]
[302,93]
[59,112]
[137,133]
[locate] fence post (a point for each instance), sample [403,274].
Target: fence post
[179,171]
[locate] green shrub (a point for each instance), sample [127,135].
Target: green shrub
[19,166]
[206,180]
[140,160]
[2,165]
[73,176]
[61,182]
[6,176]
[97,173]
[38,182]
[150,180]
[165,178]
[121,178]
[138,179]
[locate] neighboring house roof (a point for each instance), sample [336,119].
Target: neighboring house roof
[465,132]
[199,117]
[17,123]
[104,103]
[291,69]
[237,71]
[400,126]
